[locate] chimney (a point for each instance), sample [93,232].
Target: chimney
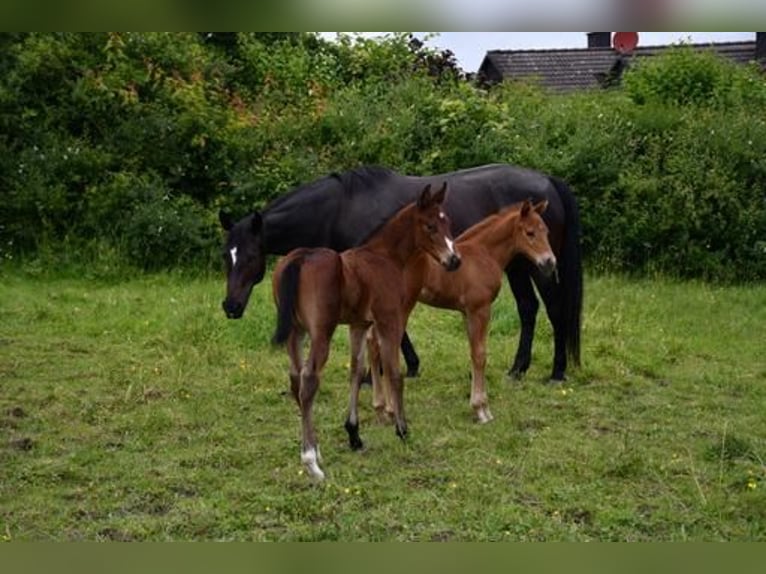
[599,39]
[760,47]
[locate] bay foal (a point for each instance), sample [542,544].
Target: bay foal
[317,289]
[485,249]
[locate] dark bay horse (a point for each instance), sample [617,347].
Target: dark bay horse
[485,251]
[340,211]
[316,289]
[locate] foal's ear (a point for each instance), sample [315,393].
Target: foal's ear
[439,196]
[226,221]
[541,206]
[526,207]
[257,223]
[425,197]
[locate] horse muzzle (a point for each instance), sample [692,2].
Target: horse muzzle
[452,262]
[548,266]
[233,309]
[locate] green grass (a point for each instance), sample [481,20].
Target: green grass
[136,411]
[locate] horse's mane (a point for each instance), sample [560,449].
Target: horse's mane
[488,221]
[311,186]
[362,178]
[352,181]
[394,220]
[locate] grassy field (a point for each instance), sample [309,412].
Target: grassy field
[135,411]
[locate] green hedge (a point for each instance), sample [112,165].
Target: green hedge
[129,143]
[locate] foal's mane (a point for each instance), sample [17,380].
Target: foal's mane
[394,222]
[487,222]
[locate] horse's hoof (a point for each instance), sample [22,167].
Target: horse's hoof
[483,416]
[315,475]
[383,416]
[354,441]
[554,382]
[309,458]
[412,373]
[401,432]
[357,444]
[557,377]
[514,375]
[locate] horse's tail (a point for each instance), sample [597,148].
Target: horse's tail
[287,298]
[571,271]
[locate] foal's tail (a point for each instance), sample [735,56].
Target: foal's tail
[287,298]
[570,271]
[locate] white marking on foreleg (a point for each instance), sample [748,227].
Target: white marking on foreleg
[309,458]
[483,416]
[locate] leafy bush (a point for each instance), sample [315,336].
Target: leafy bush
[678,77]
[167,232]
[133,141]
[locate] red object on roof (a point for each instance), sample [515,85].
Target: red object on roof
[625,42]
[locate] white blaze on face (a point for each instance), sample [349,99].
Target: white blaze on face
[447,240]
[233,253]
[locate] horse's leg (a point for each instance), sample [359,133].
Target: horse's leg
[550,291]
[356,336]
[294,344]
[410,356]
[388,339]
[477,322]
[320,349]
[380,392]
[527,306]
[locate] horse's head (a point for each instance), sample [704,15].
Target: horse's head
[433,228]
[532,237]
[245,259]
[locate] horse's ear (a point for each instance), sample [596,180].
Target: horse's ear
[425,197]
[541,206]
[226,221]
[526,207]
[257,223]
[439,196]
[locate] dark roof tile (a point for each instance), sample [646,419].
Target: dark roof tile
[579,68]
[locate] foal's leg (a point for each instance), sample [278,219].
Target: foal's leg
[294,344]
[357,336]
[389,339]
[320,350]
[477,322]
[381,395]
[527,305]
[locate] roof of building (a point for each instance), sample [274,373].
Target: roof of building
[580,68]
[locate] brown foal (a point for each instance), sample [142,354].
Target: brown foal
[485,250]
[317,289]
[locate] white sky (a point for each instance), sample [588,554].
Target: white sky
[469,47]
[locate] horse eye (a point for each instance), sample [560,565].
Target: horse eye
[530,234]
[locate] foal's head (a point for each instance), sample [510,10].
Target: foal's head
[245,260]
[532,237]
[432,229]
